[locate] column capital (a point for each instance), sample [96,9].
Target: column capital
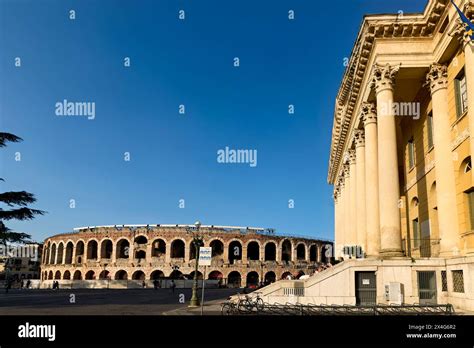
[437,77]
[359,138]
[383,76]
[368,113]
[347,171]
[352,156]
[461,29]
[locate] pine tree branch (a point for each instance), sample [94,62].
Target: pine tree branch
[21,198]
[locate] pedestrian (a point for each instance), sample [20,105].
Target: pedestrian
[28,284]
[22,284]
[155,284]
[172,285]
[8,285]
[143,284]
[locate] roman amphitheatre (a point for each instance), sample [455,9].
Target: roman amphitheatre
[133,255]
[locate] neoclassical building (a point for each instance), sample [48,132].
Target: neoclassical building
[241,256]
[400,163]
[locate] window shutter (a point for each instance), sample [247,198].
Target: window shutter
[457,91]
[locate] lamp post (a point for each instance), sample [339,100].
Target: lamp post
[197,242]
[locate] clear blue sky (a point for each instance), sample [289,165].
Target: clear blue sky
[175,62]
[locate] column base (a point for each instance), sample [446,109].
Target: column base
[386,253]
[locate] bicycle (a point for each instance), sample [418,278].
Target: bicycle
[248,304]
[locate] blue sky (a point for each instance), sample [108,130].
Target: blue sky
[173,62]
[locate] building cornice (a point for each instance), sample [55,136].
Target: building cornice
[375,27]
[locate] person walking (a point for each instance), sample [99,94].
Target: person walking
[28,284]
[155,284]
[172,285]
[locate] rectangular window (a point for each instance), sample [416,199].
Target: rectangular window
[444,281]
[458,281]
[411,153]
[429,123]
[460,89]
[470,196]
[416,234]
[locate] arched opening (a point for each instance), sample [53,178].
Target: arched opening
[301,252]
[140,240]
[252,279]
[158,248]
[50,275]
[323,251]
[92,250]
[215,275]
[177,249]
[138,275]
[77,275]
[106,249]
[60,254]
[270,277]
[286,250]
[79,252]
[67,275]
[270,251]
[253,251]
[104,274]
[123,247]
[235,251]
[90,275]
[121,275]
[57,275]
[52,260]
[234,279]
[140,254]
[176,275]
[69,250]
[466,165]
[313,253]
[217,248]
[157,275]
[199,275]
[286,275]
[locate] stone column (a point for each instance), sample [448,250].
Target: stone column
[168,252]
[341,212]
[437,79]
[113,256]
[347,206]
[389,187]
[337,235]
[353,198]
[359,137]
[371,179]
[244,254]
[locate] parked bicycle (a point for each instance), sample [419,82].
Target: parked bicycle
[248,303]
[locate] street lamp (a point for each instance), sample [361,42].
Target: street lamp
[197,242]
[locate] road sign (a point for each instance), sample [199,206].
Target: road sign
[205,256]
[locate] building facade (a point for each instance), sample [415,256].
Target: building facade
[240,256]
[400,163]
[401,151]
